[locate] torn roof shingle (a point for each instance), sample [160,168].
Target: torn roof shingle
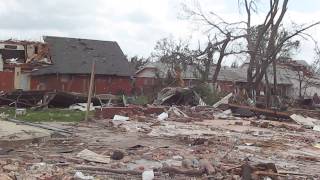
[75,56]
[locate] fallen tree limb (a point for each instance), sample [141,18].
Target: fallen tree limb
[293,173]
[100,168]
[266,173]
[189,172]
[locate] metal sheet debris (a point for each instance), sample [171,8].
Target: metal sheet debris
[306,121]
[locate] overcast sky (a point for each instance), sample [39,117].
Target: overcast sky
[135,24]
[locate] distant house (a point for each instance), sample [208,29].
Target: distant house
[149,75]
[290,76]
[288,80]
[71,67]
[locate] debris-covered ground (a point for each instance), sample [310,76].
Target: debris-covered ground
[189,143]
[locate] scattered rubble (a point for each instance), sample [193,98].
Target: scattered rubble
[178,96]
[238,141]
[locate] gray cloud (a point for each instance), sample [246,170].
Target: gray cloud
[60,15]
[138,16]
[136,25]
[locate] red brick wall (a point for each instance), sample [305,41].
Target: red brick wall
[145,85]
[6,81]
[145,82]
[80,83]
[226,86]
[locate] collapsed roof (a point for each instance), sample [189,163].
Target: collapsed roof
[24,52]
[178,96]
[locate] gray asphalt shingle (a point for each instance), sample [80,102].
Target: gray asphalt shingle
[75,56]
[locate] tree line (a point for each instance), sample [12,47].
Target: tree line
[263,44]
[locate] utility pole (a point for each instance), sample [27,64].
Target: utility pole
[90,89]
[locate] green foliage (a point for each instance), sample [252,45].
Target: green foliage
[47,115]
[140,100]
[208,95]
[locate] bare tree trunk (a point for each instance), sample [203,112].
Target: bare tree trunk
[250,79]
[300,85]
[260,74]
[221,56]
[208,63]
[275,83]
[267,92]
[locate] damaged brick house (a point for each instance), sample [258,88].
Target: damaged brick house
[64,64]
[17,60]
[72,59]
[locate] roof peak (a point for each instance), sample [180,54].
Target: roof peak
[74,38]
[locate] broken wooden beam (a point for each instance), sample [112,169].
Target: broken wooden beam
[259,111]
[104,169]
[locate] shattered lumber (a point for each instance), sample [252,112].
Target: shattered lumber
[40,99]
[187,137]
[8,101]
[224,100]
[259,111]
[178,96]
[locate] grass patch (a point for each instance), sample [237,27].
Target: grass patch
[139,100]
[47,115]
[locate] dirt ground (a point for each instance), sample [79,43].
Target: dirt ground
[146,144]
